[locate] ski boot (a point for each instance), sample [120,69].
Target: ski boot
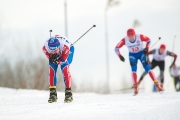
[53,95]
[135,86]
[157,86]
[68,95]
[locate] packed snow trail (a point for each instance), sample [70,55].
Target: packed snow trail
[32,105]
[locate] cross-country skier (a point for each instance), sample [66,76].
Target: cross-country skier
[59,51]
[159,60]
[175,74]
[134,42]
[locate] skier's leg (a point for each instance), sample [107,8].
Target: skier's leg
[150,72]
[133,63]
[52,74]
[66,73]
[68,80]
[161,67]
[179,83]
[67,76]
[176,80]
[141,78]
[178,89]
[153,65]
[52,82]
[147,67]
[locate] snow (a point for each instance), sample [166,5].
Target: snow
[32,105]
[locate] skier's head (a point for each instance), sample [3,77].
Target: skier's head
[162,48]
[131,34]
[53,44]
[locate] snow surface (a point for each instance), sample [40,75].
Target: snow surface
[32,105]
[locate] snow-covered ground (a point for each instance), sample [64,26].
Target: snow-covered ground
[33,105]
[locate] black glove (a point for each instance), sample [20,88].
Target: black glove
[145,51]
[122,58]
[54,58]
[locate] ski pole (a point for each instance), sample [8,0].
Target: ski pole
[84,34]
[155,42]
[50,32]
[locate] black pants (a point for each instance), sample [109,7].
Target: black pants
[176,81]
[154,63]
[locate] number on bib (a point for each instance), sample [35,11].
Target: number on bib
[135,49]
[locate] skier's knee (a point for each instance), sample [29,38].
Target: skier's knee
[147,68]
[145,63]
[65,70]
[133,63]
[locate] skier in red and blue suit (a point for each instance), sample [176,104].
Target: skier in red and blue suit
[59,51]
[134,42]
